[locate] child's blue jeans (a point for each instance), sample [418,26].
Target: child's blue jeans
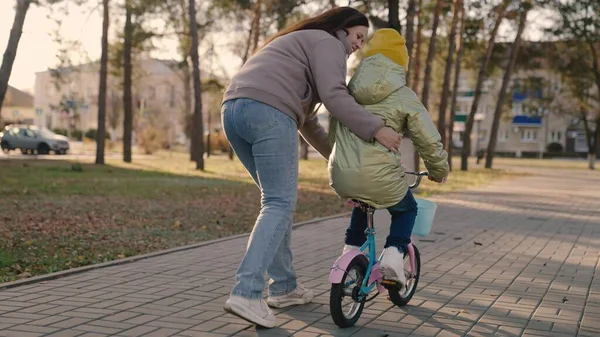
[403,221]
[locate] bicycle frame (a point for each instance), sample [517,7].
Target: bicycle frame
[373,272]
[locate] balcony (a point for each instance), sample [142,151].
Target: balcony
[528,121]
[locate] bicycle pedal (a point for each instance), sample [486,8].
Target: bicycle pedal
[385,282]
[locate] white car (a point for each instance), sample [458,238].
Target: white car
[32,140]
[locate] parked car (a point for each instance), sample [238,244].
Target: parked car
[32,140]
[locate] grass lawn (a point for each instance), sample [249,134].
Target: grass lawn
[558,163]
[55,217]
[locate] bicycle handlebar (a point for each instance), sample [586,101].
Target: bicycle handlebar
[419,175]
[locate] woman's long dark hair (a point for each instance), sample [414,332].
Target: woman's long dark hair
[330,21]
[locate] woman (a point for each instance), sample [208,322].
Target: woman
[267,102]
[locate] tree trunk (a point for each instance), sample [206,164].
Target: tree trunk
[230,151]
[431,55]
[198,130]
[411,12]
[596,67]
[248,43]
[448,71]
[256,24]
[100,134]
[449,144]
[303,148]
[505,83]
[594,149]
[589,137]
[417,63]
[11,48]
[115,111]
[418,42]
[186,49]
[187,102]
[480,78]
[127,99]
[209,134]
[394,15]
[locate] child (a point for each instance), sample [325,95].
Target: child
[368,171]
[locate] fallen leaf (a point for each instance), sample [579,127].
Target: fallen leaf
[24,275]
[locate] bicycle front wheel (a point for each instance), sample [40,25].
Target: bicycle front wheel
[345,301]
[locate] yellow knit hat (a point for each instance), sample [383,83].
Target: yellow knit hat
[390,43]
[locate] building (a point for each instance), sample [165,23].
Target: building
[68,98]
[17,107]
[522,131]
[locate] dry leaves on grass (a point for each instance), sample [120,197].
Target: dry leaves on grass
[68,226]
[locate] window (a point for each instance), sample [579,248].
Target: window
[503,136]
[14,131]
[528,135]
[151,93]
[517,109]
[26,133]
[556,136]
[581,144]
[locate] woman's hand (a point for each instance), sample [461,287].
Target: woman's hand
[389,138]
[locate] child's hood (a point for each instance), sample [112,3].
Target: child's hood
[375,79]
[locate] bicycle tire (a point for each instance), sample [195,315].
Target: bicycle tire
[336,296]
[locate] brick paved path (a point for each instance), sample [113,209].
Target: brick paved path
[514,258]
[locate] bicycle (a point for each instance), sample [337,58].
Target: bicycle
[356,273]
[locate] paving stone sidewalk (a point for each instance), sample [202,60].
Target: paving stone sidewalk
[514,258]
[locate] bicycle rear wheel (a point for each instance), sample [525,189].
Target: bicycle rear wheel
[400,296]
[345,302]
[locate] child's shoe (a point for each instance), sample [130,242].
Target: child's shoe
[392,265]
[348,248]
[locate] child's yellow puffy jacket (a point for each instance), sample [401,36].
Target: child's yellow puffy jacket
[368,171]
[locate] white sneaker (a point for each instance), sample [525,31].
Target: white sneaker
[299,296]
[348,248]
[392,265]
[253,310]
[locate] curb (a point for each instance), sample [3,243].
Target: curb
[73,271]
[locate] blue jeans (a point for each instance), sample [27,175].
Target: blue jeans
[403,221]
[266,142]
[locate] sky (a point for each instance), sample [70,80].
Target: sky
[37,50]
